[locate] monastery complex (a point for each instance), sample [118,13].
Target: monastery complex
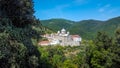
[62,38]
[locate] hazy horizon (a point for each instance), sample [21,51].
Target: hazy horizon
[79,20]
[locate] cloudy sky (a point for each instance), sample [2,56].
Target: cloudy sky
[77,10]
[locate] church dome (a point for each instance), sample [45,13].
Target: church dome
[63,30]
[58,32]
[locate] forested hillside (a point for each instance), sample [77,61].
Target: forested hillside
[57,24]
[86,28]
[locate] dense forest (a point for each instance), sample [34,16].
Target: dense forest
[20,31]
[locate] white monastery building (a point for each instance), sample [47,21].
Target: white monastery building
[62,38]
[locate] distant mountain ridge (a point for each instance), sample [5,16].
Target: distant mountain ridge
[85,28]
[57,24]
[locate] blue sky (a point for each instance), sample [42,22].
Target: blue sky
[77,10]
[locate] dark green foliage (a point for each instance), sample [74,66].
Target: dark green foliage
[19,34]
[116,50]
[16,47]
[103,52]
[118,36]
[20,12]
[102,55]
[103,41]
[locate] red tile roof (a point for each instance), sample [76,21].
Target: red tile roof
[75,36]
[44,43]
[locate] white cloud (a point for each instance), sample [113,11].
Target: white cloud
[107,10]
[104,8]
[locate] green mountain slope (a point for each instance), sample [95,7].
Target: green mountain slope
[87,29]
[57,24]
[111,25]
